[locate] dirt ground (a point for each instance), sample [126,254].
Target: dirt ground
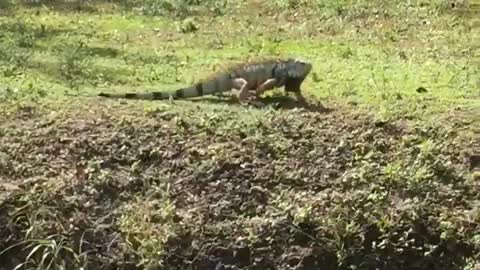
[217,188]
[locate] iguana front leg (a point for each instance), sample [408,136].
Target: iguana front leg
[293,85]
[300,98]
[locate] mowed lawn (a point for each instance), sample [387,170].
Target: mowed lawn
[384,179]
[375,54]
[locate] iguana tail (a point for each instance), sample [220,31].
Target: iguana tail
[218,84]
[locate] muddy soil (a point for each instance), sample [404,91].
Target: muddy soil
[200,188]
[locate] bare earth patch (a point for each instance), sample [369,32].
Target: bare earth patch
[210,187]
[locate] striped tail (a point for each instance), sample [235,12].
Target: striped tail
[219,84]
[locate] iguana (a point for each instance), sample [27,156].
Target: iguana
[260,77]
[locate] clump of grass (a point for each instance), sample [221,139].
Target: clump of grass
[14,61]
[364,8]
[148,224]
[45,243]
[179,8]
[75,66]
[53,252]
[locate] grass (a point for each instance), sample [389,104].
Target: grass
[382,180]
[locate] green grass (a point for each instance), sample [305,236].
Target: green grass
[383,177]
[374,65]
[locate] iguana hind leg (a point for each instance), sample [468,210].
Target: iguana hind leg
[243,92]
[262,88]
[267,85]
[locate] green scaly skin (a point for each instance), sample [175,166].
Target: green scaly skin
[261,77]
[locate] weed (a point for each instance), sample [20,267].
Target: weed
[177,8]
[50,253]
[145,238]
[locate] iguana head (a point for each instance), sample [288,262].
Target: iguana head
[298,68]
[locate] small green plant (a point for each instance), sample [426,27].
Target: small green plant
[178,8]
[187,26]
[54,252]
[13,60]
[286,4]
[148,225]
[74,67]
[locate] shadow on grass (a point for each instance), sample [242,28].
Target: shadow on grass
[25,35]
[8,6]
[277,102]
